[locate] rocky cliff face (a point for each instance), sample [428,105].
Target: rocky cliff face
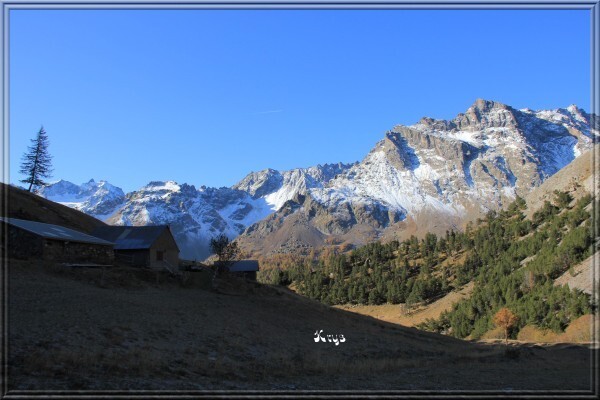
[195,215]
[278,187]
[434,175]
[429,176]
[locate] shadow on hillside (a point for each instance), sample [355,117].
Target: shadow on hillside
[67,332]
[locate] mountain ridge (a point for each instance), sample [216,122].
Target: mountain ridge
[435,174]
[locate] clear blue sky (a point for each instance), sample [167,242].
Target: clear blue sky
[205,97]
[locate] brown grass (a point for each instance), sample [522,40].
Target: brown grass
[496,333]
[66,332]
[24,205]
[398,314]
[578,332]
[66,361]
[533,334]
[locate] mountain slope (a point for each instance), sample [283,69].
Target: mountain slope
[583,276]
[577,178]
[98,199]
[195,215]
[510,261]
[25,205]
[174,338]
[278,187]
[433,176]
[430,176]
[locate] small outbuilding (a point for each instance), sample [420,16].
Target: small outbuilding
[31,240]
[244,268]
[143,246]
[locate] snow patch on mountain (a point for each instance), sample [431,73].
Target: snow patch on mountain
[276,188]
[376,181]
[480,160]
[98,199]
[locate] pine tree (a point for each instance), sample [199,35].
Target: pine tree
[36,163]
[225,250]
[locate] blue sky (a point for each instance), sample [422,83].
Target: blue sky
[206,96]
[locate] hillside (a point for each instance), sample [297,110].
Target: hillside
[577,178]
[68,332]
[397,313]
[510,261]
[583,276]
[19,203]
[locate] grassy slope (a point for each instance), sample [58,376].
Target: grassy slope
[18,203]
[582,279]
[584,275]
[395,312]
[577,178]
[68,332]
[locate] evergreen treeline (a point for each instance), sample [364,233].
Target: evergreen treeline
[491,253]
[558,238]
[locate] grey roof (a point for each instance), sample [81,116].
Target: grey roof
[55,232]
[244,266]
[131,237]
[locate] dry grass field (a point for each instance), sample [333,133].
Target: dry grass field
[71,330]
[397,314]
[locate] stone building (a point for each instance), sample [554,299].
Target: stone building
[144,246]
[244,268]
[30,240]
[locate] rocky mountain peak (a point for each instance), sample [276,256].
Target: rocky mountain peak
[161,186]
[485,106]
[486,114]
[397,150]
[430,176]
[260,183]
[429,123]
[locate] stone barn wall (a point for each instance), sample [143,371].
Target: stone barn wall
[136,258]
[23,245]
[76,252]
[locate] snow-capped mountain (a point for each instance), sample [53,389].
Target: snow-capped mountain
[278,187]
[484,156]
[429,176]
[195,215]
[98,199]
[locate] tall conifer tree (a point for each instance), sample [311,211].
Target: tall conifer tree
[36,163]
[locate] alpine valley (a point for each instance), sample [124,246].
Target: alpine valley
[427,177]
